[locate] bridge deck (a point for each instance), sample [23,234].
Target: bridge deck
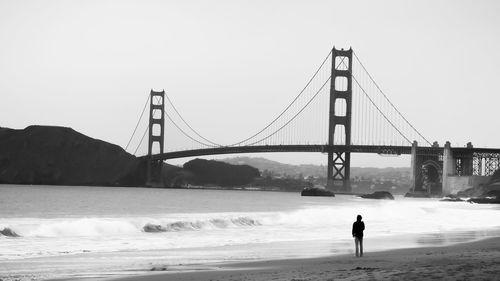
[284,148]
[379,149]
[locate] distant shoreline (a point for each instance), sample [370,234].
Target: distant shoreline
[182,187]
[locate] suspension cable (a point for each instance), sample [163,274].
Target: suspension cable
[379,110]
[213,144]
[183,132]
[385,96]
[289,105]
[143,135]
[138,121]
[302,109]
[191,128]
[297,114]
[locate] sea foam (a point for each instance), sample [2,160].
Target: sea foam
[91,227]
[197,225]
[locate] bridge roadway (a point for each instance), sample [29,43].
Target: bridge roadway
[284,148]
[379,149]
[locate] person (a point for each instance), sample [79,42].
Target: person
[357,232]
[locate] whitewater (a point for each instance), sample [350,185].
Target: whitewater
[48,232]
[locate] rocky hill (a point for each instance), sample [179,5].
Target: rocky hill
[220,173]
[61,156]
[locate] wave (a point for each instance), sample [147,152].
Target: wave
[94,227]
[383,217]
[197,225]
[8,232]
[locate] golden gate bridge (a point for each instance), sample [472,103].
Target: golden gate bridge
[340,110]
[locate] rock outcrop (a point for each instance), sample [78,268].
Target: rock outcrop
[493,193]
[480,191]
[378,195]
[418,194]
[451,198]
[484,200]
[313,191]
[8,232]
[219,173]
[489,197]
[49,155]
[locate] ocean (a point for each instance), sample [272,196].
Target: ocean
[93,232]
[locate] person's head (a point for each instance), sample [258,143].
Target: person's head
[359,218]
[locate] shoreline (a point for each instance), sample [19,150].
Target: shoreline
[476,260]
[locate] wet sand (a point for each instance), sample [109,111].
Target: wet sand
[479,260]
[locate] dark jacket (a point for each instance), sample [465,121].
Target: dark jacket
[357,229]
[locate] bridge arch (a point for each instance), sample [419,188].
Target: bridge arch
[432,176]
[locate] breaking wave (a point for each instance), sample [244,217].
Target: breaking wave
[203,224]
[92,227]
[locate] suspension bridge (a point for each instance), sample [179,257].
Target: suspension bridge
[340,110]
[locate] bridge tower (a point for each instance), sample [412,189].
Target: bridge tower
[156,136]
[339,155]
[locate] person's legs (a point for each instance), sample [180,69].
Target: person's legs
[361,246]
[356,242]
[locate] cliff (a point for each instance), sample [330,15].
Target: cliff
[61,156]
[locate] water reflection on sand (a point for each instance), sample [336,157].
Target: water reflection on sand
[443,239]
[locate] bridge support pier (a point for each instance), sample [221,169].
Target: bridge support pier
[339,162]
[426,170]
[413,165]
[449,167]
[445,170]
[156,137]
[462,169]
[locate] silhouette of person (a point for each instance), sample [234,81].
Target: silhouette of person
[357,232]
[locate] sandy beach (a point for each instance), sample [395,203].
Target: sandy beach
[478,260]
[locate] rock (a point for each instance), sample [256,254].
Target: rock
[492,193]
[472,192]
[313,191]
[455,199]
[489,197]
[484,200]
[418,195]
[495,177]
[8,232]
[159,268]
[378,195]
[481,191]
[451,198]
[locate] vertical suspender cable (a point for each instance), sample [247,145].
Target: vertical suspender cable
[385,96]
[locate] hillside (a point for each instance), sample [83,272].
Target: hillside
[277,168]
[220,173]
[306,170]
[49,155]
[61,156]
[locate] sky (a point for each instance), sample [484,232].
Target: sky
[231,66]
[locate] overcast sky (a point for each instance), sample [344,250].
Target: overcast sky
[231,66]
